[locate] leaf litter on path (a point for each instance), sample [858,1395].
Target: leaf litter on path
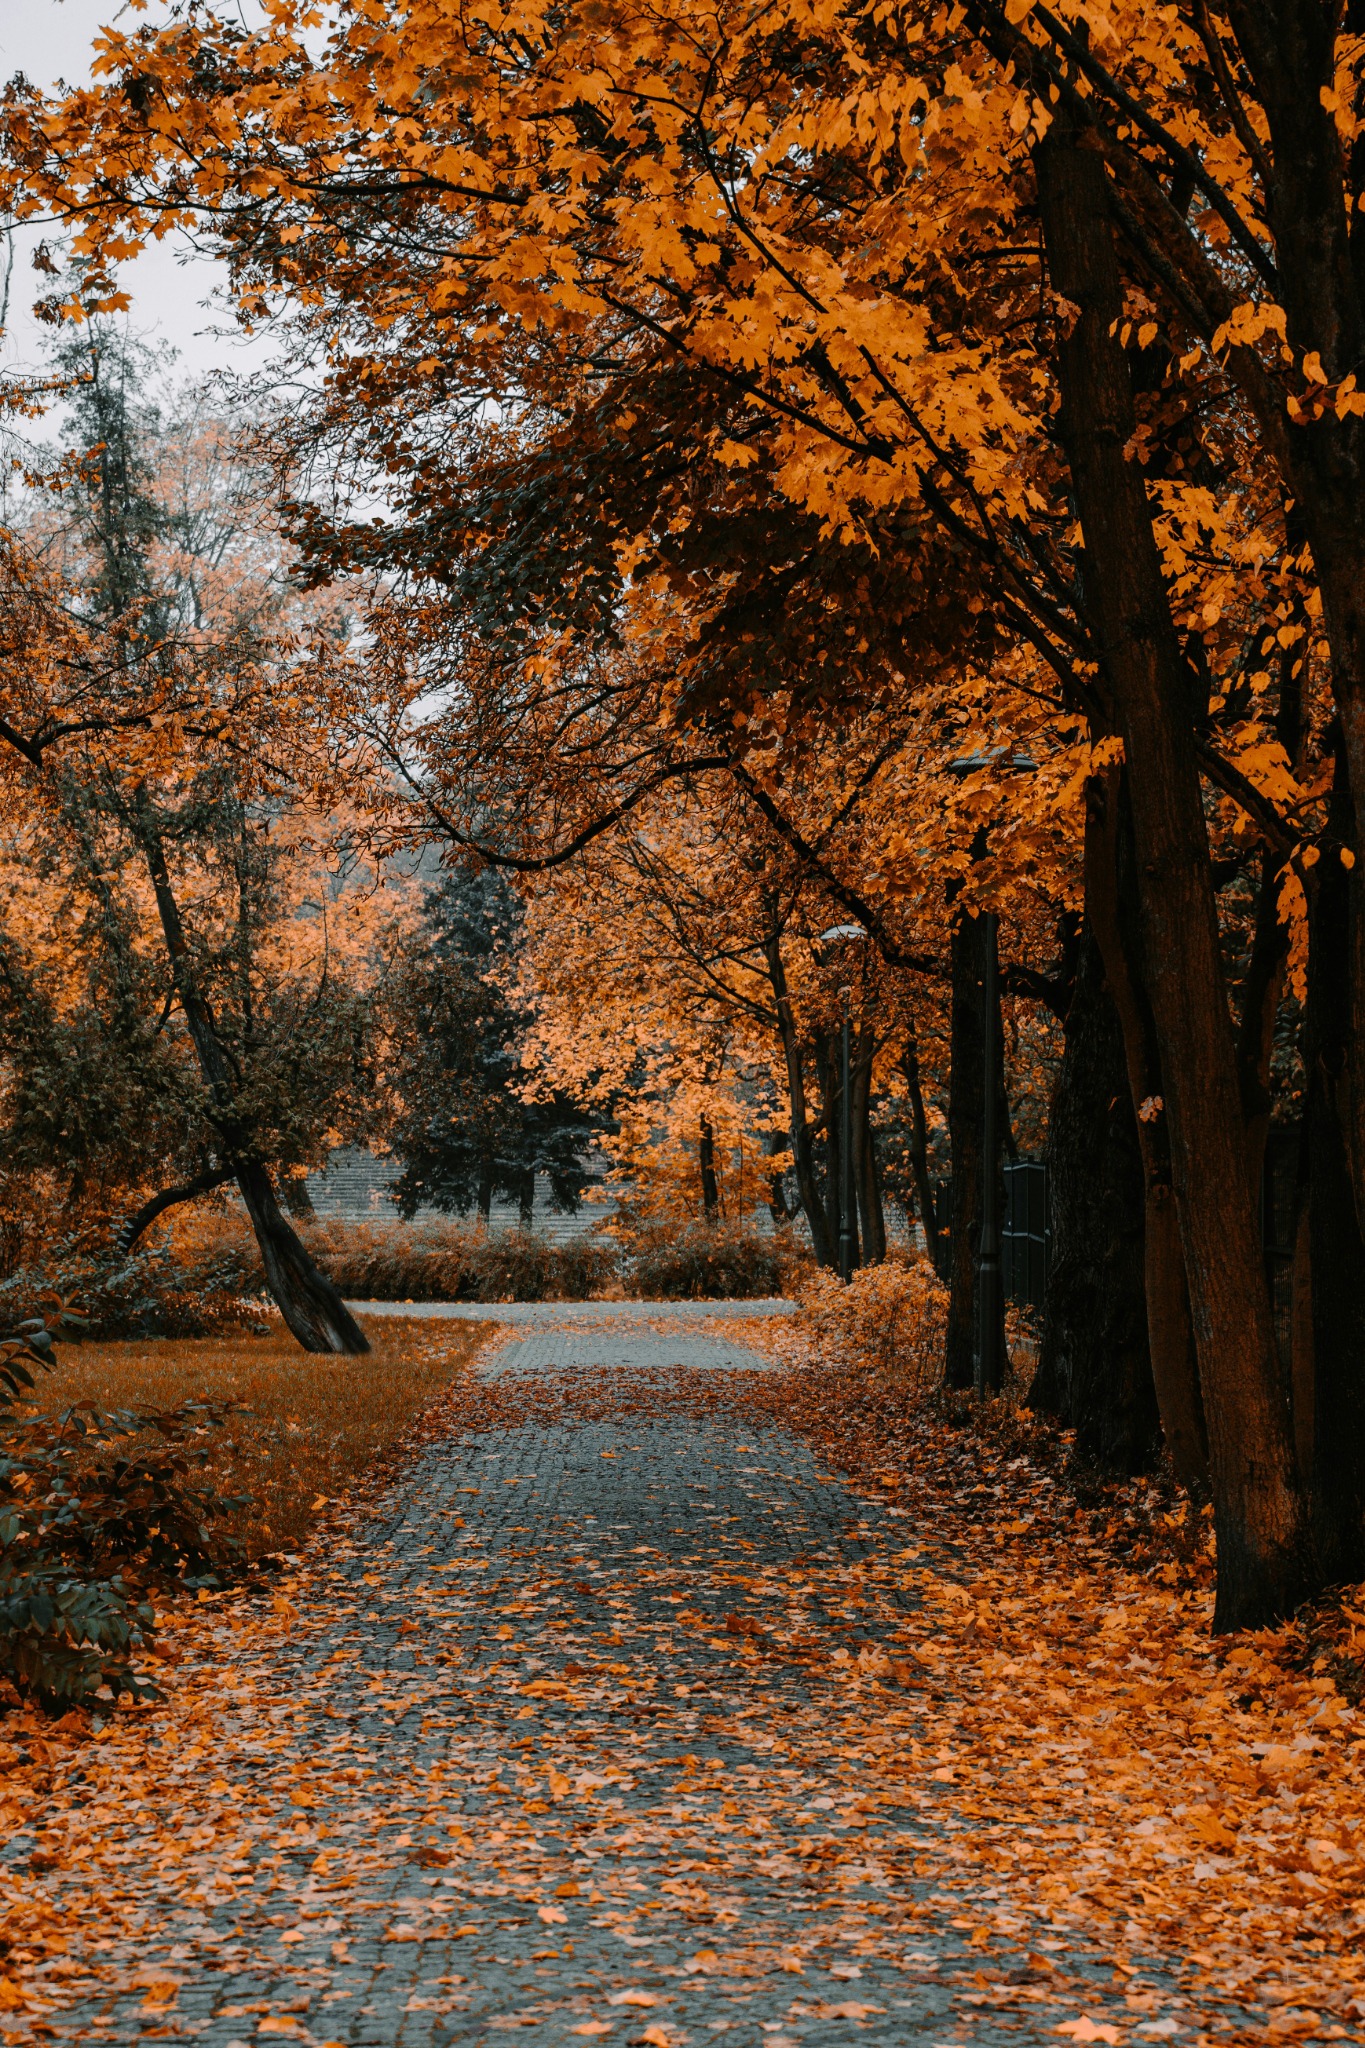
[937,1769]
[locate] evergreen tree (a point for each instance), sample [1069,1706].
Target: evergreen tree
[466,1132]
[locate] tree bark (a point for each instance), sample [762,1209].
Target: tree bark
[1095,1369]
[305,1297]
[803,1160]
[866,1177]
[706,1153]
[829,1072]
[919,1157]
[1112,911]
[1333,1388]
[526,1198]
[966,1101]
[142,1219]
[1265,1563]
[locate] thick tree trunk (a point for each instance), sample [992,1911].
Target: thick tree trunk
[1334,1388]
[803,1158]
[305,1297]
[1112,912]
[1261,991]
[485,1194]
[1095,1370]
[309,1303]
[1265,1563]
[706,1153]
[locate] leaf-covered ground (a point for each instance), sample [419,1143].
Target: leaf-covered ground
[669,1703]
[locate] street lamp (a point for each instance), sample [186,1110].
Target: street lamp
[844,933]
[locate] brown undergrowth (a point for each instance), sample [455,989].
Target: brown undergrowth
[302,1430]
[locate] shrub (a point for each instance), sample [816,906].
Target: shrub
[891,1319]
[449,1260]
[147,1292]
[709,1262]
[99,1511]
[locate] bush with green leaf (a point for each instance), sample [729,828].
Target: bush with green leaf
[148,1292]
[709,1262]
[100,1511]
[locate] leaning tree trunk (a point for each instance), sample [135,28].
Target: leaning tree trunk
[305,1297]
[1265,1560]
[309,1303]
[1095,1370]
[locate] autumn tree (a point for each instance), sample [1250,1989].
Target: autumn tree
[1083,302]
[469,1124]
[172,871]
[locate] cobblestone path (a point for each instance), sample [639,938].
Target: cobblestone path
[592,1735]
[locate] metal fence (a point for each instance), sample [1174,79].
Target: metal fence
[1026,1239]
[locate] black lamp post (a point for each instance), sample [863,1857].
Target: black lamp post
[847,1192]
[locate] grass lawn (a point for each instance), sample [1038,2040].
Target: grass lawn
[304,1430]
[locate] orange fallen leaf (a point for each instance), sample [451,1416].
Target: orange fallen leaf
[1086,2029]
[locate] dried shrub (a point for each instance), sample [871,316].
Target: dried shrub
[709,1262]
[890,1320]
[301,1431]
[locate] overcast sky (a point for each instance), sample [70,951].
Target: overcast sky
[50,40]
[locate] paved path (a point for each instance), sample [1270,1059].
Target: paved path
[588,1737]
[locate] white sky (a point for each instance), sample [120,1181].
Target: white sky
[50,40]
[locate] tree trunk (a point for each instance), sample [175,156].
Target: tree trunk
[1335,1391]
[919,1158]
[297,1200]
[1261,989]
[526,1198]
[829,1071]
[777,1196]
[966,1101]
[866,1177]
[1265,1561]
[203,1183]
[1112,912]
[305,1297]
[706,1152]
[1095,1370]
[309,1303]
[803,1160]
[485,1195]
